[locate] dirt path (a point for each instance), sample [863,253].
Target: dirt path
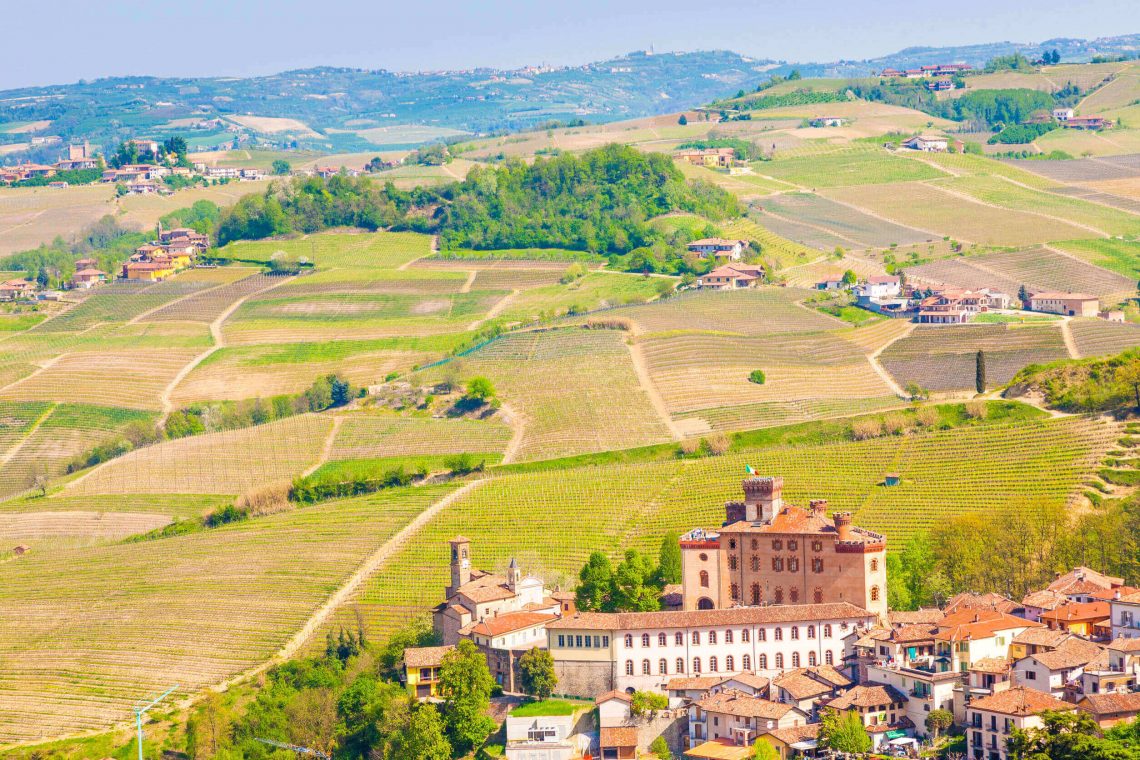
[140,317]
[326,450]
[881,371]
[43,368]
[1067,334]
[518,424]
[14,449]
[470,281]
[494,311]
[641,368]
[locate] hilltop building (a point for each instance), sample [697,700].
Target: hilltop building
[719,248]
[768,552]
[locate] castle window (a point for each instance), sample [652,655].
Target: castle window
[817,546]
[679,638]
[779,660]
[756,596]
[795,595]
[874,593]
[681,664]
[629,641]
[779,595]
[817,565]
[729,663]
[712,664]
[645,667]
[704,557]
[755,563]
[777,563]
[755,544]
[696,664]
[795,659]
[777,545]
[811,631]
[704,579]
[778,634]
[660,639]
[795,632]
[812,662]
[732,543]
[629,667]
[817,595]
[746,662]
[663,666]
[826,628]
[874,565]
[762,661]
[696,638]
[732,562]
[712,637]
[828,657]
[645,639]
[793,545]
[793,564]
[728,636]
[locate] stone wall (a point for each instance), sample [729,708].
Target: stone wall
[586,680]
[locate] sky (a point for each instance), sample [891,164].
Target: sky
[69,40]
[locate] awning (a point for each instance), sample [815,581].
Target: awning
[903,740]
[805,744]
[896,733]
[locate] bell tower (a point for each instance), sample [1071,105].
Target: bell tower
[460,563]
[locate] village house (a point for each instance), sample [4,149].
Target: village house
[957,306]
[927,143]
[17,290]
[739,718]
[1068,304]
[1052,671]
[595,652]
[719,158]
[972,634]
[827,121]
[991,720]
[87,277]
[536,734]
[1094,123]
[732,277]
[145,146]
[768,552]
[989,601]
[882,710]
[1083,584]
[879,286]
[1062,114]
[1088,619]
[1111,708]
[617,734]
[940,85]
[791,743]
[805,688]
[925,689]
[833,283]
[419,671]
[1038,602]
[1034,640]
[719,248]
[503,639]
[1125,616]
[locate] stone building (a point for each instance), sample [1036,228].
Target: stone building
[768,552]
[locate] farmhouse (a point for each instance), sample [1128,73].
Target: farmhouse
[768,552]
[595,652]
[1069,304]
[879,286]
[1095,123]
[990,720]
[719,248]
[1109,709]
[940,85]
[1062,114]
[720,158]
[732,277]
[927,143]
[419,672]
[87,278]
[16,290]
[827,121]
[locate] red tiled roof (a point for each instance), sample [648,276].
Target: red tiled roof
[1078,612]
[1111,704]
[1019,701]
[509,622]
[780,613]
[619,736]
[868,695]
[744,705]
[425,657]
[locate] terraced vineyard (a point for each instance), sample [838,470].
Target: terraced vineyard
[853,227]
[1095,337]
[193,610]
[942,357]
[852,167]
[211,304]
[365,436]
[746,312]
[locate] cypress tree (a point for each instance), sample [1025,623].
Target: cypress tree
[980,372]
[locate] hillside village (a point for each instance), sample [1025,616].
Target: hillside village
[780,618]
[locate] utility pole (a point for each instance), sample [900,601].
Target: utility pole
[140,711]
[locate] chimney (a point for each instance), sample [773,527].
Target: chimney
[762,498]
[818,507]
[843,525]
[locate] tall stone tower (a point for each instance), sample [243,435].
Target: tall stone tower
[460,563]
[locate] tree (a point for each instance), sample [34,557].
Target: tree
[479,389]
[849,277]
[281,167]
[208,728]
[313,719]
[756,376]
[465,683]
[1129,375]
[635,589]
[980,371]
[595,587]
[762,749]
[843,731]
[1023,296]
[683,120]
[645,702]
[660,747]
[536,672]
[669,559]
[422,736]
[175,146]
[938,721]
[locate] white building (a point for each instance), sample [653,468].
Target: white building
[540,737]
[719,248]
[1125,616]
[1062,114]
[1049,672]
[595,652]
[925,691]
[739,718]
[879,286]
[990,720]
[927,143]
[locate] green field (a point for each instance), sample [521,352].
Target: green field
[384,250]
[862,166]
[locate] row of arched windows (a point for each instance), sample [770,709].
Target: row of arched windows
[729,636]
[729,663]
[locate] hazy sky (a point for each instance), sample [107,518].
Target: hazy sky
[85,39]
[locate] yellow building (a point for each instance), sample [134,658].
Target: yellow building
[421,670]
[147,270]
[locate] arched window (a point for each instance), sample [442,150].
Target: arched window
[762,661]
[779,660]
[779,634]
[746,662]
[811,632]
[629,641]
[679,639]
[828,657]
[817,595]
[874,565]
[874,593]
[795,659]
[756,596]
[762,634]
[712,637]
[696,638]
[629,667]
[795,632]
[795,595]
[755,563]
[661,639]
[732,562]
[696,664]
[662,666]
[827,631]
[728,636]
[645,639]
[744,635]
[817,565]
[777,563]
[681,664]
[735,591]
[729,663]
[712,664]
[704,579]
[645,667]
[779,595]
[704,603]
[812,662]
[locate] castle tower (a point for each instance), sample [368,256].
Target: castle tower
[460,563]
[763,498]
[514,575]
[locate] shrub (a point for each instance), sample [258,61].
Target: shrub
[896,423]
[716,444]
[575,271]
[462,464]
[756,376]
[644,702]
[870,427]
[927,416]
[608,323]
[977,410]
[479,389]
[659,746]
[265,499]
[690,446]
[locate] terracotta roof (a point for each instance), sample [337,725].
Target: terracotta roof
[744,705]
[749,679]
[1078,611]
[720,749]
[717,241]
[1125,645]
[801,686]
[1045,600]
[872,637]
[1041,637]
[486,588]
[868,695]
[509,622]
[1074,653]
[796,733]
[997,665]
[909,634]
[693,683]
[780,613]
[425,657]
[901,724]
[613,694]
[1110,594]
[1111,703]
[793,519]
[1019,701]
[563,596]
[828,674]
[619,736]
[911,617]
[979,624]
[968,601]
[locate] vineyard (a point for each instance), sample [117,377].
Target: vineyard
[853,167]
[745,312]
[1095,337]
[853,227]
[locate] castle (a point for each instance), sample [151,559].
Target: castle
[768,552]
